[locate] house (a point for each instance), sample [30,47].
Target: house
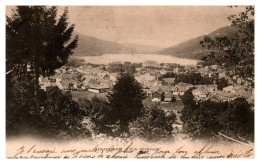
[80,69]
[148,91]
[181,88]
[221,73]
[138,79]
[154,88]
[203,71]
[50,81]
[179,70]
[68,77]
[156,97]
[65,85]
[176,70]
[106,77]
[147,84]
[243,92]
[185,85]
[177,97]
[224,96]
[70,70]
[147,77]
[58,71]
[163,71]
[215,98]
[98,88]
[160,91]
[102,74]
[59,85]
[168,97]
[200,93]
[169,81]
[92,74]
[156,83]
[43,79]
[178,90]
[63,69]
[113,76]
[166,88]
[110,83]
[235,88]
[229,89]
[215,67]
[89,81]
[69,85]
[209,87]
[72,86]
[251,99]
[44,85]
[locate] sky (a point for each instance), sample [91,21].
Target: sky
[161,26]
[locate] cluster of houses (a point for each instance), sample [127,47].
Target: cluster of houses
[98,80]
[200,92]
[84,78]
[165,89]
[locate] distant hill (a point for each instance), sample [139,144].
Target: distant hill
[90,46]
[192,48]
[142,49]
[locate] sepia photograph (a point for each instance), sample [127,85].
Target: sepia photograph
[138,82]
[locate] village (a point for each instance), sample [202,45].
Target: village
[88,81]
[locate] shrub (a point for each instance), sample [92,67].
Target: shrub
[153,124]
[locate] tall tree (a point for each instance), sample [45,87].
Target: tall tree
[36,41]
[237,50]
[188,98]
[126,100]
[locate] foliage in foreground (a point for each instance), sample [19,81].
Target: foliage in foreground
[153,124]
[58,116]
[97,116]
[237,50]
[204,119]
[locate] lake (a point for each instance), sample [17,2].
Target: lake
[137,58]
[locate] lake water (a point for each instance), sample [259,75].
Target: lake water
[137,58]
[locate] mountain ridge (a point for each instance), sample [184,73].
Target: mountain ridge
[91,46]
[192,49]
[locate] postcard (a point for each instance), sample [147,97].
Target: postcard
[138,82]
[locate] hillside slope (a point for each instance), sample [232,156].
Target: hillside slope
[90,46]
[192,48]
